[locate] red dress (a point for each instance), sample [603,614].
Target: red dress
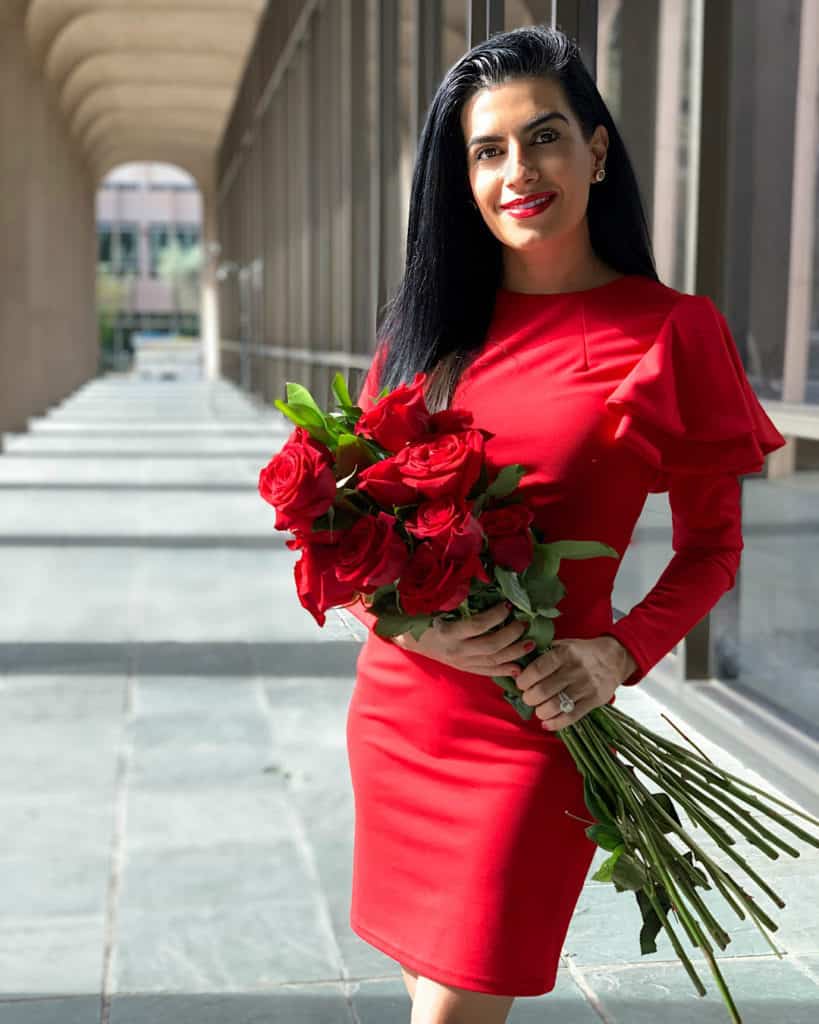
[466,868]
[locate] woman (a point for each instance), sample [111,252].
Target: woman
[531,299]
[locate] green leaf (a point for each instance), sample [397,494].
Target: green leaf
[542,631]
[606,870]
[596,803]
[581,549]
[667,805]
[351,454]
[544,588]
[651,919]
[629,873]
[297,394]
[305,416]
[544,593]
[544,561]
[478,491]
[382,600]
[607,836]
[421,624]
[506,481]
[391,624]
[335,518]
[341,392]
[512,589]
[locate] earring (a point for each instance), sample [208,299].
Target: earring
[600,174]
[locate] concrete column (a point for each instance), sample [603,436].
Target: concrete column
[209,304]
[667,209]
[48,334]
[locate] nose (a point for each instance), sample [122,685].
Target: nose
[517,169]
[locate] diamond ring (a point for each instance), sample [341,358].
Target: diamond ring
[566,702]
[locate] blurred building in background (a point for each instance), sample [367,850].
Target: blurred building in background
[149,222]
[299,121]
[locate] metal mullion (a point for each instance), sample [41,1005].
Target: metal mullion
[388,251]
[347,132]
[426,58]
[483,19]
[319,46]
[305,216]
[578,19]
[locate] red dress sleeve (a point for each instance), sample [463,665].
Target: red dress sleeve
[366,399]
[687,405]
[688,408]
[707,541]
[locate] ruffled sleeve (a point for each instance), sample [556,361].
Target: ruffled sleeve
[687,405]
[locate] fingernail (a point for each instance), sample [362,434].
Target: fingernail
[514,673]
[529,646]
[508,605]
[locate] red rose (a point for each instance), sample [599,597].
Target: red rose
[508,535]
[371,553]
[446,465]
[449,523]
[450,421]
[431,582]
[384,483]
[397,418]
[315,572]
[299,481]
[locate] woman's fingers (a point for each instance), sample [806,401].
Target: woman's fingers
[482,668]
[504,644]
[477,624]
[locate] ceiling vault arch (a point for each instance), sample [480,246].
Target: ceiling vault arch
[144,79]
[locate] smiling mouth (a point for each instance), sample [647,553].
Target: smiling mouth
[534,201]
[528,208]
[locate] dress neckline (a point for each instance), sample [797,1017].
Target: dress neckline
[560,295]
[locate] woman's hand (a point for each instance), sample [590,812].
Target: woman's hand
[588,670]
[474,644]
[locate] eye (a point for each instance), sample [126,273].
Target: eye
[545,131]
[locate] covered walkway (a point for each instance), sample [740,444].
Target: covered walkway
[177,817]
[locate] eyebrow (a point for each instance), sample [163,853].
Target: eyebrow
[533,123]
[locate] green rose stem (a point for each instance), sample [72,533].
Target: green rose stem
[662,774]
[653,767]
[608,768]
[716,872]
[697,789]
[694,782]
[655,841]
[721,777]
[658,842]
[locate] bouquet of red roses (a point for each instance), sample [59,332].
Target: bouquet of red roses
[400,508]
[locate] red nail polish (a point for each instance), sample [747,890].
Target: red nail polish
[529,646]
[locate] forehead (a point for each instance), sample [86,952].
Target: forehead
[500,108]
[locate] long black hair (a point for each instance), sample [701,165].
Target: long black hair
[441,311]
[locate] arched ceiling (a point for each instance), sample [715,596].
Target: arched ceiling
[144,79]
